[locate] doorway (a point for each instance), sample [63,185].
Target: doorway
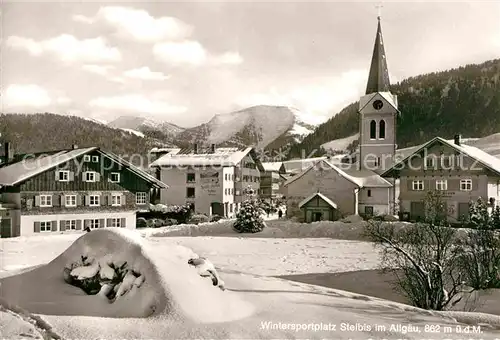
[317,216]
[5,227]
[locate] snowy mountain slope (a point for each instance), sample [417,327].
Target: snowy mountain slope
[143,124]
[340,144]
[260,125]
[134,132]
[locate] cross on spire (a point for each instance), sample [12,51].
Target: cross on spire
[379,10]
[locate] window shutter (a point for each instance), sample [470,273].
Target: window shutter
[86,223]
[78,224]
[101,223]
[108,222]
[123,199]
[37,202]
[409,182]
[123,220]
[62,225]
[79,200]
[36,227]
[100,199]
[84,176]
[97,176]
[53,226]
[56,175]
[71,176]
[86,200]
[56,200]
[109,200]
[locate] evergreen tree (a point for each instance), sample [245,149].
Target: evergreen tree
[249,218]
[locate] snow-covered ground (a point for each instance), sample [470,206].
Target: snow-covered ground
[134,132]
[254,305]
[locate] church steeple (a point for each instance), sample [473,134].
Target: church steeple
[378,79]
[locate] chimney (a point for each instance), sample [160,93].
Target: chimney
[9,155]
[74,146]
[195,149]
[457,139]
[212,148]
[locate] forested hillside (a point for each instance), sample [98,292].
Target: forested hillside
[465,100]
[45,131]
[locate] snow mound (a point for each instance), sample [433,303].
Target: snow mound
[163,284]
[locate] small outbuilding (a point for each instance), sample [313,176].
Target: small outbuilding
[318,207]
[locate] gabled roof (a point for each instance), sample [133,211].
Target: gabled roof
[489,161]
[28,167]
[12,174]
[320,195]
[221,157]
[387,96]
[274,166]
[140,173]
[361,178]
[299,165]
[329,165]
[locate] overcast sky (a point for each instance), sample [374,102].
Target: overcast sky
[185,62]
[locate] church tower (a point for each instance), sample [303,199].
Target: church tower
[378,110]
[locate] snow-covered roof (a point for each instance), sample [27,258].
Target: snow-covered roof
[272,166]
[320,195]
[171,151]
[32,165]
[361,178]
[487,160]
[221,157]
[298,165]
[12,174]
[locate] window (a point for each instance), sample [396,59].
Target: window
[94,200]
[191,177]
[114,177]
[429,162]
[94,224]
[86,158]
[63,175]
[230,207]
[116,223]
[369,193]
[45,226]
[70,200]
[190,192]
[381,129]
[369,211]
[445,161]
[441,184]
[141,198]
[373,129]
[45,200]
[90,176]
[466,184]
[418,185]
[95,159]
[225,177]
[116,200]
[70,225]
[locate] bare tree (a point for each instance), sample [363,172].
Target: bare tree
[422,257]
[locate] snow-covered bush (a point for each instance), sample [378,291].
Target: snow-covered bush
[141,223]
[110,280]
[249,218]
[215,218]
[197,219]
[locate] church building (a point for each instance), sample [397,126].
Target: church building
[327,191]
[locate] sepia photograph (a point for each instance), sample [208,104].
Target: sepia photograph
[249,170]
